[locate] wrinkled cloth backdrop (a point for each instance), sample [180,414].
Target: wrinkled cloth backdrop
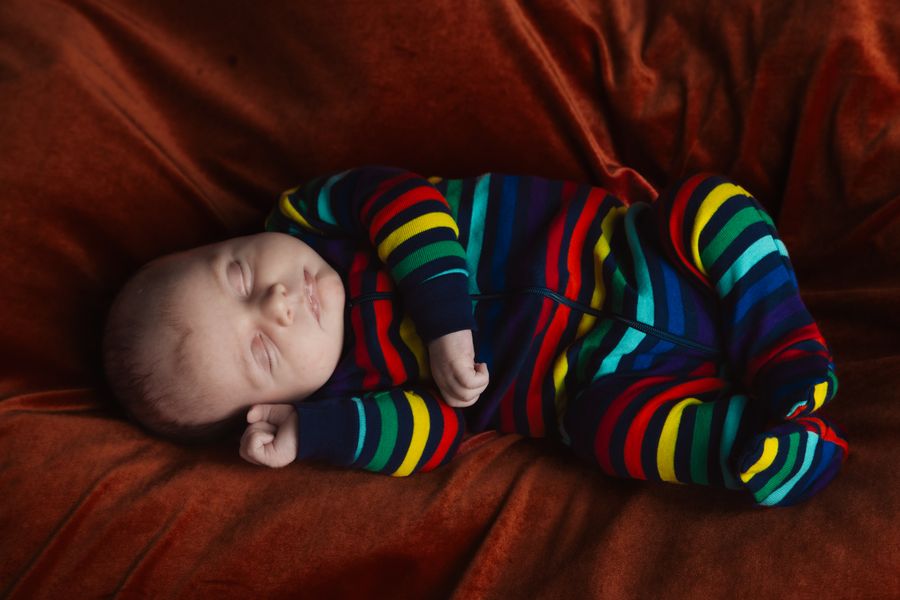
[130,129]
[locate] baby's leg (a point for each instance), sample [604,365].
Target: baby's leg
[697,431]
[719,234]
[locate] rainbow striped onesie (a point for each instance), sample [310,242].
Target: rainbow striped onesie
[664,341]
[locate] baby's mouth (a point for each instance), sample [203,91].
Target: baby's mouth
[312,295]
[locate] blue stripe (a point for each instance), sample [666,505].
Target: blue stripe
[499,266]
[758,290]
[673,297]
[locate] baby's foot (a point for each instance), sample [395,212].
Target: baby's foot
[796,384]
[792,461]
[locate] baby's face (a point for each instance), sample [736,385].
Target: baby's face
[266,313]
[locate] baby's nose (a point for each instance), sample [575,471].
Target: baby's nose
[278,306]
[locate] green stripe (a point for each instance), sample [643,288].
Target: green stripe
[729,433]
[729,232]
[591,342]
[700,448]
[645,306]
[454,191]
[388,438]
[476,230]
[785,470]
[765,217]
[424,255]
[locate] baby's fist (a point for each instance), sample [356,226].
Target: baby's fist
[271,436]
[453,367]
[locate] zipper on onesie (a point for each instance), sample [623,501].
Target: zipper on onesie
[560,299]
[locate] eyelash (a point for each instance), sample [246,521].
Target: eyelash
[244,280]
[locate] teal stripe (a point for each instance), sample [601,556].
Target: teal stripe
[476,230]
[388,438]
[626,345]
[645,305]
[361,436]
[746,261]
[782,249]
[324,201]
[447,272]
[729,433]
[790,461]
[779,494]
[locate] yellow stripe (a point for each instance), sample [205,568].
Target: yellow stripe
[770,451]
[665,451]
[414,227]
[601,251]
[713,201]
[414,343]
[288,210]
[421,427]
[560,368]
[434,180]
[585,324]
[819,393]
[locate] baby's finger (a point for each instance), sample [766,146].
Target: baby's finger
[252,443]
[468,378]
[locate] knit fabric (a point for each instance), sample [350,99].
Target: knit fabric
[663,341]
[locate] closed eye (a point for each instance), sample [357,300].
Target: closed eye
[239,278]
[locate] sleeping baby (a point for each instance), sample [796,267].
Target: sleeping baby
[382,315]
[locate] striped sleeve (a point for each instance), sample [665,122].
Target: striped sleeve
[409,225]
[395,432]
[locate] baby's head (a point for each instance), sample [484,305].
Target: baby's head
[197,337]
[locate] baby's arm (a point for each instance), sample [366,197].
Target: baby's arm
[410,227]
[397,432]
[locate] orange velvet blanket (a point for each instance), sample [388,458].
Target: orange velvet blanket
[129,129]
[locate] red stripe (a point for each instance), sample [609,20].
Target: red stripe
[383,318]
[451,427]
[542,369]
[533,399]
[354,280]
[394,207]
[825,432]
[638,428]
[576,246]
[382,188]
[807,332]
[676,223]
[363,359]
[603,437]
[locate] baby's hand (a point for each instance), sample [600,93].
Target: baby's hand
[271,438]
[460,379]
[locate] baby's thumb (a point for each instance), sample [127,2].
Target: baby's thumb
[482,371]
